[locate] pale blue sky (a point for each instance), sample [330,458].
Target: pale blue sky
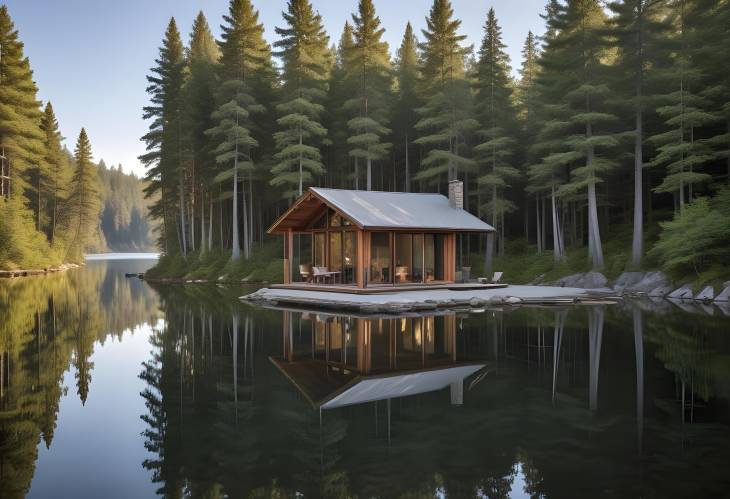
[90,57]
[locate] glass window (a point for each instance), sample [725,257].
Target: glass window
[335,254]
[318,247]
[417,274]
[335,219]
[380,258]
[433,261]
[350,256]
[403,258]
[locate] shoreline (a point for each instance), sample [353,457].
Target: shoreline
[12,274]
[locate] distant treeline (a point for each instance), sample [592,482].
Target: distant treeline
[54,205]
[619,119]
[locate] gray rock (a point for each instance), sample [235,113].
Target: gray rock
[589,280]
[641,282]
[627,279]
[706,294]
[724,295]
[726,284]
[512,300]
[476,302]
[660,292]
[683,293]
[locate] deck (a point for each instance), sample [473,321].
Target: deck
[385,288]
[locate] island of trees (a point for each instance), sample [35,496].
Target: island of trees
[608,151]
[55,205]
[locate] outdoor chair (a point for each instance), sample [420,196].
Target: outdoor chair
[305,270]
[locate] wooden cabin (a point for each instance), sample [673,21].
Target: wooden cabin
[368,239]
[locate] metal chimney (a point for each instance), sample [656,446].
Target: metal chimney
[456,194]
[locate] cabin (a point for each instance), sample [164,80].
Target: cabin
[350,240]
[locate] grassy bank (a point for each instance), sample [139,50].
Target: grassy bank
[265,265]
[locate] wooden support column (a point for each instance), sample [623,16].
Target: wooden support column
[449,257]
[288,255]
[360,260]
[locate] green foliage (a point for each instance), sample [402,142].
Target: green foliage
[81,209]
[306,68]
[698,238]
[21,246]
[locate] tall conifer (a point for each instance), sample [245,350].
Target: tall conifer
[406,101]
[496,116]
[370,70]
[304,51]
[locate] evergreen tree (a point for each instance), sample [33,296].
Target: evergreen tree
[576,75]
[20,135]
[370,69]
[526,98]
[245,55]
[406,100]
[306,58]
[641,30]
[81,210]
[341,89]
[493,102]
[683,110]
[446,120]
[164,141]
[199,104]
[56,165]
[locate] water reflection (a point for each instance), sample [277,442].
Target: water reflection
[576,402]
[237,401]
[48,325]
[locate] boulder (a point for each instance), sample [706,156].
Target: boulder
[641,282]
[683,293]
[588,280]
[724,295]
[627,280]
[707,294]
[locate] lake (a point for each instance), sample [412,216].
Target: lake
[116,388]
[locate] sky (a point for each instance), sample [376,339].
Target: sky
[90,57]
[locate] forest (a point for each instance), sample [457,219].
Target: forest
[55,205]
[608,150]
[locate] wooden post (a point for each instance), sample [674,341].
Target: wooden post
[288,255]
[360,260]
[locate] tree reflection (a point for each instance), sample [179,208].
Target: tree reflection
[48,324]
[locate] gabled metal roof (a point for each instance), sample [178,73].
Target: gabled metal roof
[385,210]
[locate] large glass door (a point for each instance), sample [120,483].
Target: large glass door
[380,267]
[403,258]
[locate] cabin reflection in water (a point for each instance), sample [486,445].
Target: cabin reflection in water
[335,361]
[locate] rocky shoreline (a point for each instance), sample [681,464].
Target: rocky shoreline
[10,274]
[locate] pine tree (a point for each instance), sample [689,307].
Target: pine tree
[245,55]
[576,75]
[163,158]
[81,210]
[370,69]
[446,120]
[406,100]
[526,100]
[306,58]
[56,165]
[684,110]
[199,104]
[341,89]
[20,135]
[493,102]
[640,29]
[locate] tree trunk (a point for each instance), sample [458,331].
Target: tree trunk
[638,237]
[538,234]
[370,174]
[210,224]
[202,224]
[357,174]
[557,237]
[594,235]
[300,161]
[489,255]
[236,250]
[182,218]
[408,169]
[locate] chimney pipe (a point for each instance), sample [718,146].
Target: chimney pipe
[456,194]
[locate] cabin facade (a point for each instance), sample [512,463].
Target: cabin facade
[365,239]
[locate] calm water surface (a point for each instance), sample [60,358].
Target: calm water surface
[112,388]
